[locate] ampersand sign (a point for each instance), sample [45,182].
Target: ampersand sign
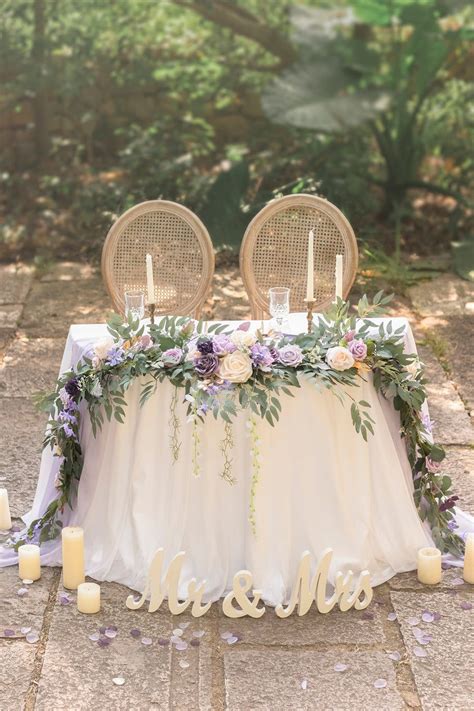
[241,585]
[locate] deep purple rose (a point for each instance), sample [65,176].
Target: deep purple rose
[290,355]
[261,356]
[206,365]
[223,344]
[204,345]
[448,503]
[72,387]
[358,349]
[172,357]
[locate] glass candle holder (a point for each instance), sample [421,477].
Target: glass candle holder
[279,304]
[135,304]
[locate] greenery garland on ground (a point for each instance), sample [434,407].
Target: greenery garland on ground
[222,371]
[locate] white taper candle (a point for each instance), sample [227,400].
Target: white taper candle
[5,518]
[339,271]
[73,556]
[310,280]
[149,280]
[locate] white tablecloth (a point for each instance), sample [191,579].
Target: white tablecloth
[320,486]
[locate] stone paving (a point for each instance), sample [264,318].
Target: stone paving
[275,664]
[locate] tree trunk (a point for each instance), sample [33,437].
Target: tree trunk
[40,102]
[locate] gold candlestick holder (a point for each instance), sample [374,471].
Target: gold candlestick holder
[151,308]
[309,313]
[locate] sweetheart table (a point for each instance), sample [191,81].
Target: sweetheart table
[320,485]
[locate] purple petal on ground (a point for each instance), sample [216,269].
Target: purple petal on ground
[367,615]
[32,637]
[147,641]
[114,628]
[232,640]
[457,581]
[103,642]
[391,616]
[111,634]
[183,664]
[340,667]
[174,639]
[135,633]
[437,616]
[25,630]
[226,635]
[420,652]
[22,591]
[181,645]
[15,529]
[8,633]
[94,637]
[396,656]
[163,642]
[427,616]
[465,605]
[195,642]
[412,621]
[64,598]
[102,629]
[304,684]
[184,625]
[417,632]
[199,633]
[380,683]
[177,632]
[426,639]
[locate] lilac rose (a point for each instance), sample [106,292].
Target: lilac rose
[172,357]
[261,356]
[145,342]
[358,349]
[206,365]
[349,336]
[223,345]
[290,355]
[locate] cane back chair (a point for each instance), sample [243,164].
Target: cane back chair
[183,257]
[274,252]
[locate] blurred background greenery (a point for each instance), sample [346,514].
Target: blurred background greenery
[223,105]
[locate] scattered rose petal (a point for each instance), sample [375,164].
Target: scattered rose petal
[396,656]
[8,633]
[436,616]
[94,637]
[147,641]
[174,639]
[184,625]
[135,633]
[103,642]
[420,652]
[178,633]
[102,630]
[380,683]
[113,627]
[22,591]
[25,630]
[181,645]
[226,635]
[391,616]
[199,633]
[424,640]
[64,598]
[367,615]
[183,664]
[163,642]
[32,637]
[27,581]
[340,667]
[232,640]
[454,581]
[465,605]
[427,616]
[412,621]
[118,680]
[111,634]
[195,642]
[304,684]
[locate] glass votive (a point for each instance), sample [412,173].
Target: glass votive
[135,304]
[429,566]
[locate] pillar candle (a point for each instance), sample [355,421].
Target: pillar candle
[468,573]
[310,280]
[429,566]
[339,268]
[29,565]
[88,598]
[73,556]
[5,518]
[149,279]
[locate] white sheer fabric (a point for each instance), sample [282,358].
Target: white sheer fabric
[320,486]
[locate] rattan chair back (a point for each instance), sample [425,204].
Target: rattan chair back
[274,252]
[183,257]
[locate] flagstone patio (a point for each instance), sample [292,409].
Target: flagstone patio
[274,664]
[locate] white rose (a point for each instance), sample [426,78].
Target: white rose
[243,339]
[102,347]
[339,358]
[235,367]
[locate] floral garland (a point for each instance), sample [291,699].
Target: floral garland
[222,372]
